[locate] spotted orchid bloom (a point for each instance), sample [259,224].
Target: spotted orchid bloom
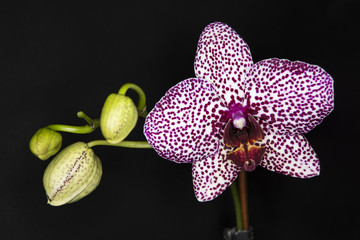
[236,115]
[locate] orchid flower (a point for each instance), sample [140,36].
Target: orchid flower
[236,115]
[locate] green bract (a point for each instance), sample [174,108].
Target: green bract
[118,117]
[73,174]
[45,143]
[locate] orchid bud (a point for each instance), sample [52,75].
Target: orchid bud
[73,174]
[45,143]
[118,117]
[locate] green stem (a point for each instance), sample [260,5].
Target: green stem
[71,129]
[89,120]
[90,127]
[141,106]
[243,200]
[238,214]
[126,144]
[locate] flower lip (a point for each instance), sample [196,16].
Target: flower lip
[245,155]
[251,133]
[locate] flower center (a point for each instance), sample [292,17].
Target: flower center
[241,132]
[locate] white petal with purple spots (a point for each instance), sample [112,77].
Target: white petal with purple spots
[213,175]
[183,126]
[223,58]
[289,97]
[290,155]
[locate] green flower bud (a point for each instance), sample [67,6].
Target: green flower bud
[73,174]
[118,117]
[45,143]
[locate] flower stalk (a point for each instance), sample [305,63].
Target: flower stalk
[237,205]
[243,200]
[141,106]
[239,193]
[88,128]
[126,144]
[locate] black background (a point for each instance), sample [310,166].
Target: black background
[59,58]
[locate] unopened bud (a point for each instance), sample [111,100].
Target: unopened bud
[45,143]
[118,117]
[73,174]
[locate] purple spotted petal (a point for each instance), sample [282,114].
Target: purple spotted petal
[223,58]
[289,97]
[212,176]
[183,126]
[290,155]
